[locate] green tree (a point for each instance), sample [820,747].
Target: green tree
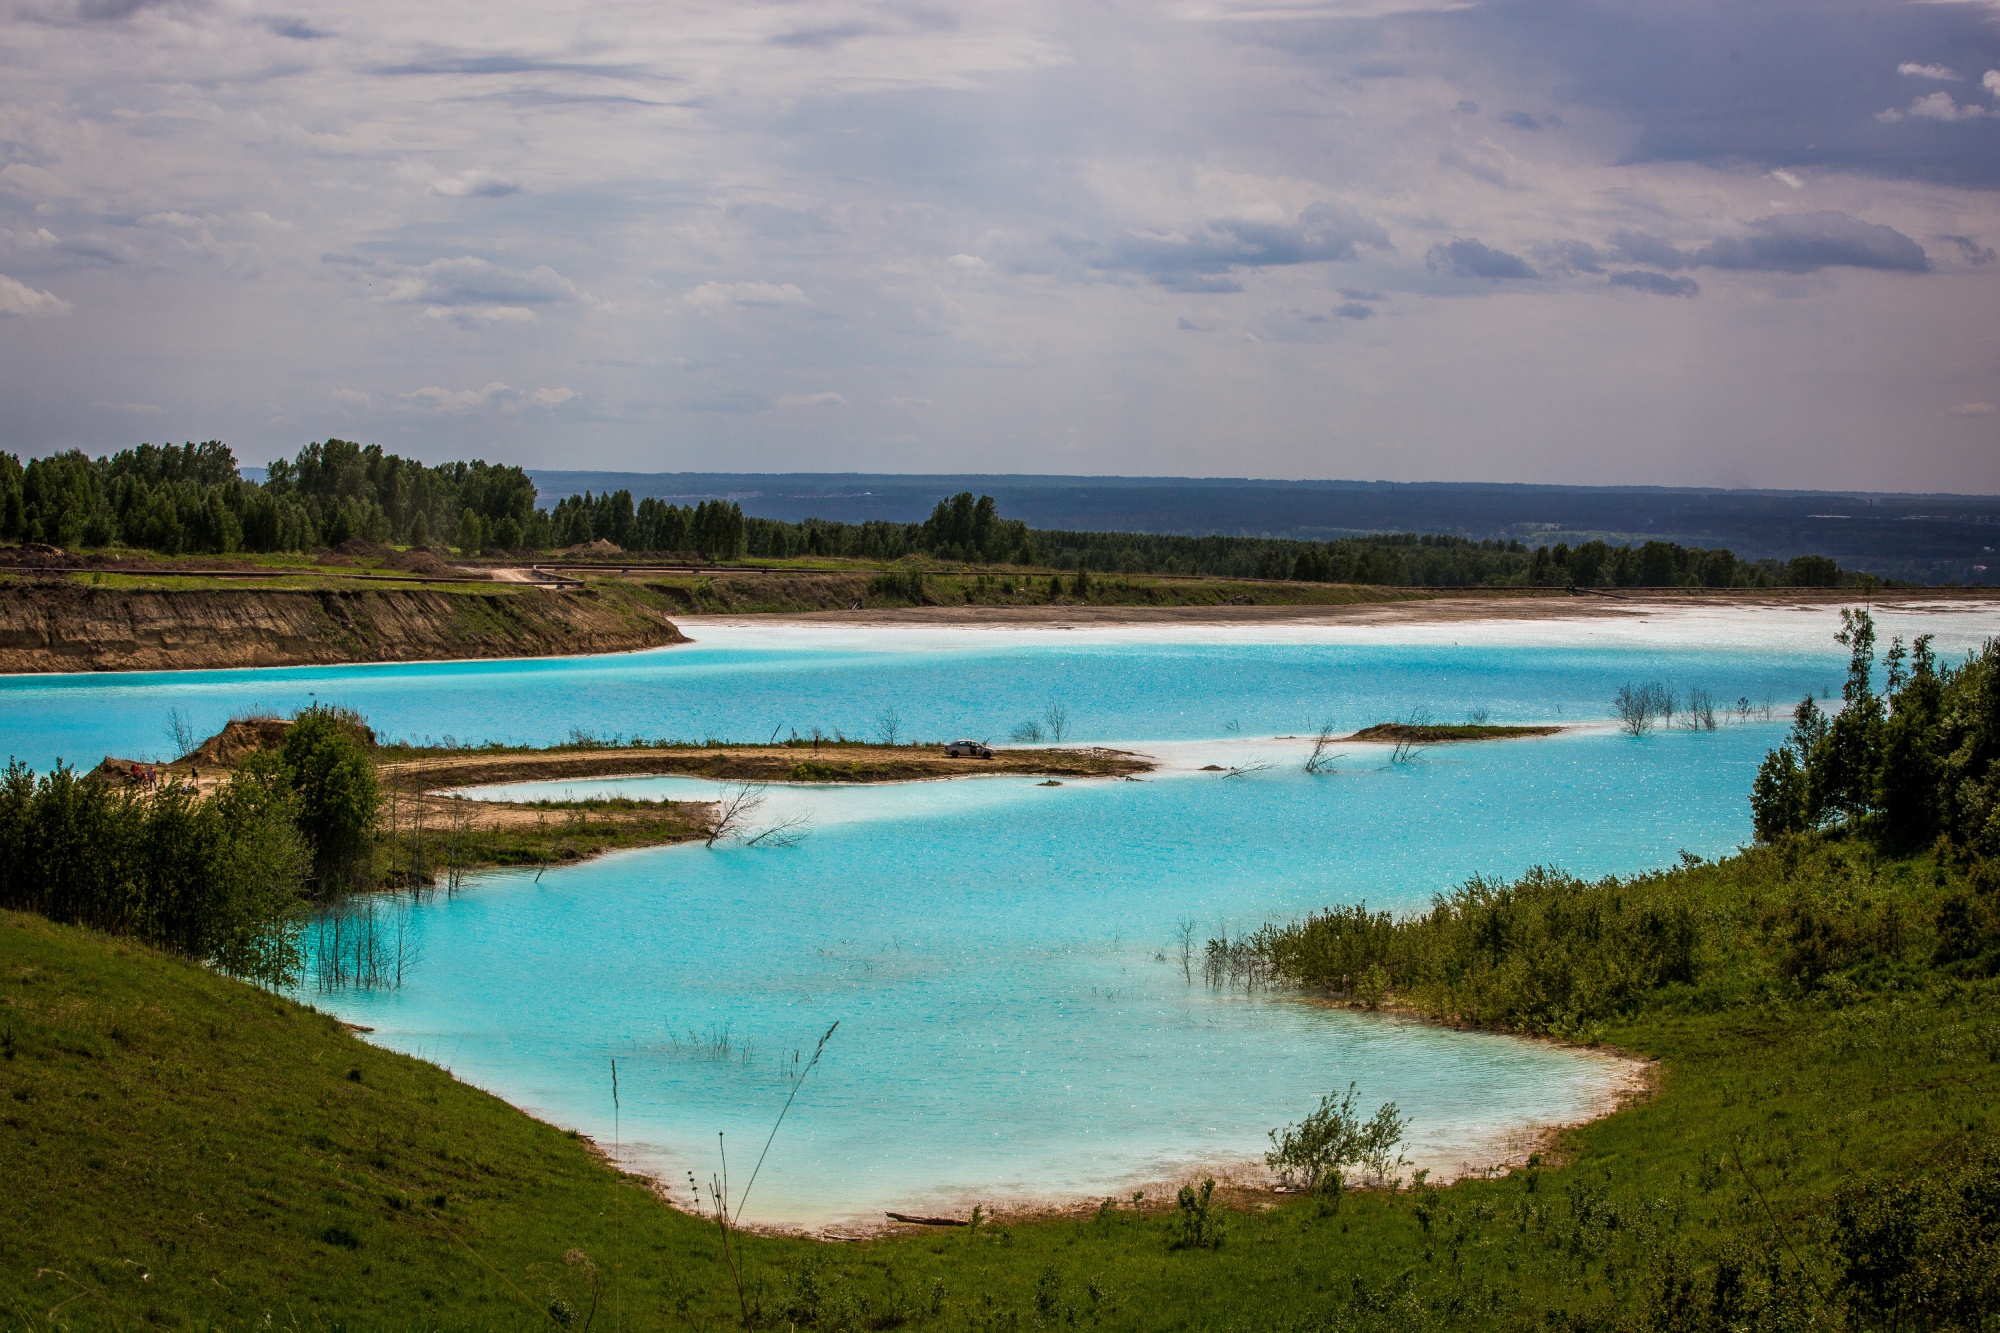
[325,756]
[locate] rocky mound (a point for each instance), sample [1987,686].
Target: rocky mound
[423,561]
[242,736]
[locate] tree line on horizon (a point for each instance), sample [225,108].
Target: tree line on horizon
[191,499]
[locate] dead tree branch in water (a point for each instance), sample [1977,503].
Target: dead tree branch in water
[1322,759]
[735,819]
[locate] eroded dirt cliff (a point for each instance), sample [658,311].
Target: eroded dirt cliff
[62,626]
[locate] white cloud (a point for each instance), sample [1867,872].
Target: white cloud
[1973,410]
[129,409]
[18,298]
[715,295]
[967,261]
[476,183]
[1914,70]
[433,400]
[1991,82]
[481,316]
[1934,106]
[352,398]
[1784,177]
[471,281]
[811,400]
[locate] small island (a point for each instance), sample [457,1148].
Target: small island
[424,829]
[1432,733]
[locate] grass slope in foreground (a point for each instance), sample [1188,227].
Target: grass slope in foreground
[185,1149]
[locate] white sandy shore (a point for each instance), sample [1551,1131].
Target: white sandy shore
[1767,623]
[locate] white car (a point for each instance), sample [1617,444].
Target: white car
[964,749]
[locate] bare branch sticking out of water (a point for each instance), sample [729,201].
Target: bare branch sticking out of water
[1323,759]
[787,832]
[1407,747]
[735,812]
[181,734]
[735,819]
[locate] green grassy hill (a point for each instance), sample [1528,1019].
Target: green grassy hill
[182,1149]
[179,1149]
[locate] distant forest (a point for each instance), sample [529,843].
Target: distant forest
[191,499]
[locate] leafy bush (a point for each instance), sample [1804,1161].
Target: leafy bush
[1922,1252]
[218,880]
[1547,953]
[1314,1154]
[1197,1227]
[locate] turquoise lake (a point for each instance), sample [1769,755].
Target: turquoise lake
[1002,957]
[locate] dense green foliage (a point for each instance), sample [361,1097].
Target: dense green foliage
[712,529]
[1904,766]
[190,499]
[960,528]
[1548,953]
[223,877]
[218,879]
[345,490]
[325,755]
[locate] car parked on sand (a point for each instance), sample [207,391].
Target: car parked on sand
[964,749]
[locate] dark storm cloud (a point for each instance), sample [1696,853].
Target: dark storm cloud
[65,13]
[1659,284]
[1801,243]
[1638,247]
[1571,257]
[1466,258]
[825,39]
[297,29]
[1787,243]
[1775,84]
[1970,250]
[510,64]
[1202,261]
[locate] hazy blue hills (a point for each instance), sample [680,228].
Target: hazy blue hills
[1921,538]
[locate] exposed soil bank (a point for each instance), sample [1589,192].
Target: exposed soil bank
[61,626]
[438,770]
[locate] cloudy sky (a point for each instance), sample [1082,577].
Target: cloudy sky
[1712,242]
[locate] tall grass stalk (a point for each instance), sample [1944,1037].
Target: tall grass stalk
[727,1217]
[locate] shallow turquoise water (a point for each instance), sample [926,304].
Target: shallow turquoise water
[1015,1022]
[745,682]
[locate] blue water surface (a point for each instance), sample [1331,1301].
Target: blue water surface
[750,683]
[1003,958]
